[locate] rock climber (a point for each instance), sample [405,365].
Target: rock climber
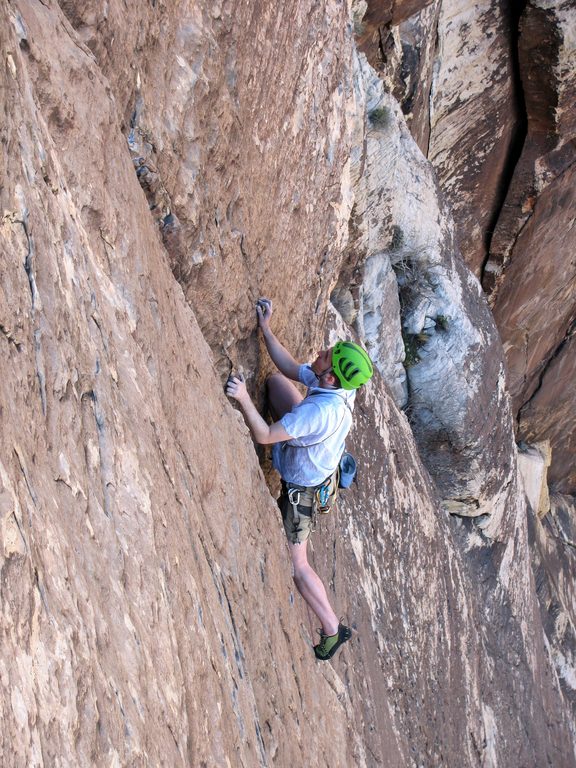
[307,435]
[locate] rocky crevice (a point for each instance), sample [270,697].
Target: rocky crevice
[517,140]
[429,96]
[538,130]
[501,138]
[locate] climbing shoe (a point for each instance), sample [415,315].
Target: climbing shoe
[329,644]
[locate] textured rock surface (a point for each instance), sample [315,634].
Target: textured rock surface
[219,150]
[555,570]
[373,20]
[143,571]
[452,68]
[405,61]
[533,463]
[489,90]
[532,267]
[550,411]
[473,116]
[403,233]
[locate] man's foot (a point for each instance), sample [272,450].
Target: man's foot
[329,644]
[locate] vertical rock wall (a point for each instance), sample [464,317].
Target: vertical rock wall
[535,239]
[474,116]
[237,150]
[153,184]
[415,302]
[488,91]
[117,593]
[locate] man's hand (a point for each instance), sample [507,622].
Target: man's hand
[280,356]
[264,312]
[236,388]
[261,431]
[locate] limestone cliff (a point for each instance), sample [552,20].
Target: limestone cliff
[163,164]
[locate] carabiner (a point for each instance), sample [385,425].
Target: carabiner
[294,496]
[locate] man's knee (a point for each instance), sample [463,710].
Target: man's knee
[273,381]
[300,565]
[282,395]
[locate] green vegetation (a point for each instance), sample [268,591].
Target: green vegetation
[413,342]
[381,117]
[441,322]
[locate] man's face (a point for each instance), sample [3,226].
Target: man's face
[323,362]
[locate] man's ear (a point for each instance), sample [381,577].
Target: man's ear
[331,379]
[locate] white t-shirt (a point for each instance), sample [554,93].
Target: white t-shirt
[318,426]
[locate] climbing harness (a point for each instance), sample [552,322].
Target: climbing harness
[308,501]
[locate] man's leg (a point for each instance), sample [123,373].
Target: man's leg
[312,589]
[283,395]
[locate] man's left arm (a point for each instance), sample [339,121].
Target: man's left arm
[263,433]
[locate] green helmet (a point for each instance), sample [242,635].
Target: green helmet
[351,364]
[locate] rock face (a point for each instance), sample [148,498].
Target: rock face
[417,304]
[488,90]
[473,117]
[154,183]
[532,267]
[555,567]
[218,151]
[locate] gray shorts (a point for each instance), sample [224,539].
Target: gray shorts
[299,530]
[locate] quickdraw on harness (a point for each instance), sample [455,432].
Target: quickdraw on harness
[320,497]
[294,499]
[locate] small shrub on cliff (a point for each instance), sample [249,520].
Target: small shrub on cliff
[381,117]
[413,342]
[441,322]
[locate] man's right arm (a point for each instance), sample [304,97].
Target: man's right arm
[281,358]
